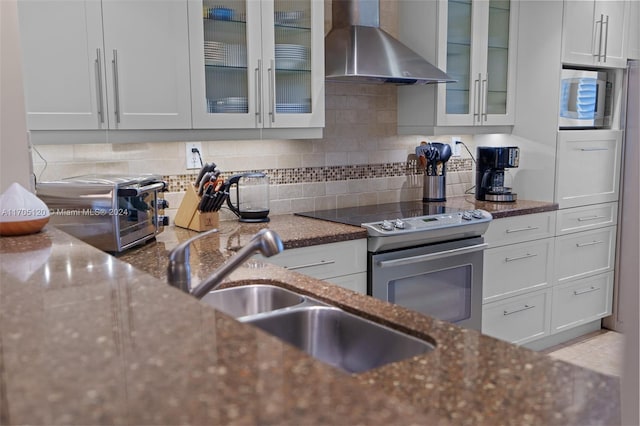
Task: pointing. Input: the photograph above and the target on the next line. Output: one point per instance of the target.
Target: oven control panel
(400, 226)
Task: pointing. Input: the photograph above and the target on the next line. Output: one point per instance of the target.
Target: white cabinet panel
(587, 217)
(517, 229)
(588, 167)
(518, 319)
(582, 301)
(516, 269)
(585, 253)
(595, 32)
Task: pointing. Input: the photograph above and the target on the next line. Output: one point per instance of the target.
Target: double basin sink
(329, 334)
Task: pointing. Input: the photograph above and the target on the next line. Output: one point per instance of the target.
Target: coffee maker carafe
(490, 176)
(433, 157)
(250, 200)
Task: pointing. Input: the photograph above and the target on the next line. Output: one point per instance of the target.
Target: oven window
(444, 294)
(135, 213)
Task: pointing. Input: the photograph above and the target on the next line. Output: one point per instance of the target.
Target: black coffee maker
(490, 165)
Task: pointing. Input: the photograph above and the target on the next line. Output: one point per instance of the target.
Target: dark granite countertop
(87, 338)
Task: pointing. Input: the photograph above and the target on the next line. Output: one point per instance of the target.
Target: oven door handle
(431, 256)
(134, 192)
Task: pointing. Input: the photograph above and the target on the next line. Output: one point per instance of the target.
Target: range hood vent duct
(357, 50)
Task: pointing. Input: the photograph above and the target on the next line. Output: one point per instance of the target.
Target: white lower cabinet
(581, 301)
(518, 319)
(585, 253)
(343, 263)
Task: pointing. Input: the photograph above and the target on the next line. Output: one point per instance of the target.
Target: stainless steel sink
(339, 338)
(251, 299)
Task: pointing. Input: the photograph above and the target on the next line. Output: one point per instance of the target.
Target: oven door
(137, 217)
(441, 280)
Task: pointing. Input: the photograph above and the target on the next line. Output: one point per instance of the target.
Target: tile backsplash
(359, 160)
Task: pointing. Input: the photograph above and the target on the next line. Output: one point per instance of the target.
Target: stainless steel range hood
(357, 50)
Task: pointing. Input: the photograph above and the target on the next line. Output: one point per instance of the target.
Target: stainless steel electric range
(423, 256)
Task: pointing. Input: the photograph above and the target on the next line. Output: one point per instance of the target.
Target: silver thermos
(433, 157)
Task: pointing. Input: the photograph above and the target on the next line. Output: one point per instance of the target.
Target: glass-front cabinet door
(477, 48)
(257, 64)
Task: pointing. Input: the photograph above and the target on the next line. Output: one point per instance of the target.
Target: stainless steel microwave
(585, 99)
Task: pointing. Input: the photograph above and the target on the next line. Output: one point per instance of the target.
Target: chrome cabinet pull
(593, 149)
(606, 38)
(272, 95)
(591, 243)
(526, 256)
(584, 219)
(476, 94)
(528, 228)
(116, 84)
(525, 308)
(588, 290)
(431, 256)
(599, 54)
(99, 85)
(308, 265)
(259, 91)
(484, 88)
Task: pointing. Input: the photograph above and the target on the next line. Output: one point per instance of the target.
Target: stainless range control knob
(386, 225)
(399, 224)
(467, 216)
(477, 214)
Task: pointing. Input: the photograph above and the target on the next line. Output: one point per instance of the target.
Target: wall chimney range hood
(357, 50)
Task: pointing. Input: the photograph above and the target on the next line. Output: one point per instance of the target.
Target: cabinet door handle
(476, 94)
(259, 91)
(528, 228)
(586, 290)
(272, 88)
(484, 88)
(525, 308)
(606, 38)
(308, 265)
(116, 86)
(584, 219)
(99, 85)
(526, 256)
(591, 243)
(593, 149)
(599, 23)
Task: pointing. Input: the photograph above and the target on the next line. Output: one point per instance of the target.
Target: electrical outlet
(193, 153)
(456, 148)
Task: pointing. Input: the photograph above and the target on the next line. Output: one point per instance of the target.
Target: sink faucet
(266, 242)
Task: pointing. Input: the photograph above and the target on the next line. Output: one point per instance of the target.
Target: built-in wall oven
(423, 256)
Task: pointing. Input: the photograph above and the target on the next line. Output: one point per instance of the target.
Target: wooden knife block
(190, 217)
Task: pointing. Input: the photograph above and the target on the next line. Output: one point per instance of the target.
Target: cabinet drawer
(587, 217)
(517, 229)
(518, 319)
(517, 268)
(325, 260)
(588, 167)
(582, 301)
(585, 253)
(356, 282)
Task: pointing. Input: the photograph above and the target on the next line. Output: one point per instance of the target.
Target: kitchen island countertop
(93, 339)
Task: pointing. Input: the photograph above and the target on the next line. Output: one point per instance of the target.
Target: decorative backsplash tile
(178, 183)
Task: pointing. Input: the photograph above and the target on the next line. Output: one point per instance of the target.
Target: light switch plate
(193, 153)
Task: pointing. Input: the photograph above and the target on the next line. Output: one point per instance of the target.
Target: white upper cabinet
(633, 49)
(595, 32)
(476, 45)
(257, 64)
(109, 64)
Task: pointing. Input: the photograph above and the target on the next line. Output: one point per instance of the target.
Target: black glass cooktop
(379, 212)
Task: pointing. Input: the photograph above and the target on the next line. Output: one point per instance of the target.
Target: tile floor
(600, 351)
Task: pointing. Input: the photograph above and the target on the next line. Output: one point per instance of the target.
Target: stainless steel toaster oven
(110, 212)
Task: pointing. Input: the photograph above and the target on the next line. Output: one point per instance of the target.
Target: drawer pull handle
(593, 149)
(592, 243)
(588, 290)
(309, 265)
(525, 308)
(528, 228)
(526, 256)
(584, 219)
